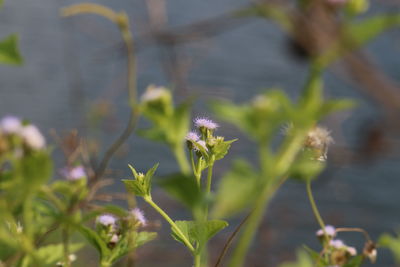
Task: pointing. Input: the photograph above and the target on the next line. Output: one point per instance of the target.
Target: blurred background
(74, 77)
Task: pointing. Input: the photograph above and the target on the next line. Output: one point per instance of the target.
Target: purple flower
(106, 220)
(336, 243)
(139, 216)
(10, 125)
(329, 229)
(74, 173)
(33, 137)
(192, 136)
(205, 123)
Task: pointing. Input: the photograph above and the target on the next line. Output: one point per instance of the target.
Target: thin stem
(354, 229)
(208, 186)
(314, 207)
(65, 239)
(171, 222)
(230, 239)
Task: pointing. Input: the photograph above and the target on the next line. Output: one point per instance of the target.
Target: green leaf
(135, 187)
(149, 175)
(221, 148)
(355, 261)
(392, 243)
(237, 190)
(184, 227)
(144, 237)
(183, 188)
(336, 105)
(197, 231)
(95, 240)
(50, 254)
(141, 186)
(9, 53)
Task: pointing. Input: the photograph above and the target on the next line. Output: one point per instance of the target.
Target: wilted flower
(139, 216)
(370, 251)
(154, 93)
(192, 136)
(318, 139)
(329, 230)
(10, 125)
(32, 137)
(106, 220)
(205, 123)
(74, 173)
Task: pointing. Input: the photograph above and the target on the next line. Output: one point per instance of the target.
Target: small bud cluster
(19, 137)
(112, 229)
(337, 251)
(204, 140)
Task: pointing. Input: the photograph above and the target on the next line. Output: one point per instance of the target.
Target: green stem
(314, 206)
(171, 222)
(208, 186)
(65, 239)
(197, 260)
(180, 156)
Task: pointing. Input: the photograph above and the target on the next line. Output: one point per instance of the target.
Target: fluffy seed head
(139, 216)
(205, 123)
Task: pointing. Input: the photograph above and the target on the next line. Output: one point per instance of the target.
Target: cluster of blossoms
(15, 135)
(110, 225)
(340, 253)
(205, 139)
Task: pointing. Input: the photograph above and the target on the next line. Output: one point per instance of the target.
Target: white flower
(329, 230)
(10, 125)
(33, 137)
(153, 93)
(202, 144)
(106, 220)
(206, 123)
(139, 216)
